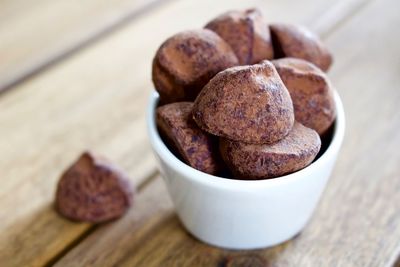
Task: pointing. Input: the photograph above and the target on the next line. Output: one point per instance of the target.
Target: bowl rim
(189, 172)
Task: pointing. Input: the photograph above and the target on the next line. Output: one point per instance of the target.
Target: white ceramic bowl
(244, 214)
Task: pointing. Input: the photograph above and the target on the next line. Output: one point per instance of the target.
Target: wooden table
(76, 75)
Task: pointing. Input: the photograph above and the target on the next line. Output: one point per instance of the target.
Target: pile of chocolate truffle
(242, 98)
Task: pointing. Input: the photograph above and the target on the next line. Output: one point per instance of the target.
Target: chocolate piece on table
(93, 190)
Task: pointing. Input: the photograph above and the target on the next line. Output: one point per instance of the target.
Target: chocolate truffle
(296, 41)
(251, 161)
(246, 103)
(187, 61)
(197, 148)
(247, 34)
(93, 190)
(311, 93)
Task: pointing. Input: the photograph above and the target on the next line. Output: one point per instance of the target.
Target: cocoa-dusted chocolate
(311, 93)
(246, 32)
(93, 190)
(296, 41)
(187, 61)
(252, 161)
(246, 103)
(196, 148)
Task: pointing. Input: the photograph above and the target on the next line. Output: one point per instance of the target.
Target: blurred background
(34, 36)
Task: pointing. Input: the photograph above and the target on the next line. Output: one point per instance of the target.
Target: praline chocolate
(311, 93)
(296, 41)
(247, 34)
(187, 61)
(93, 190)
(246, 103)
(195, 147)
(253, 161)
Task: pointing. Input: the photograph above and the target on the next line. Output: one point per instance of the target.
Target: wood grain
(36, 34)
(93, 99)
(152, 209)
(96, 99)
(357, 222)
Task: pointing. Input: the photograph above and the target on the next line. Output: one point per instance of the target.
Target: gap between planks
(333, 19)
(86, 41)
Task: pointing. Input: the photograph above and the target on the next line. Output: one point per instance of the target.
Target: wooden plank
(74, 103)
(94, 99)
(357, 222)
(35, 34)
(152, 209)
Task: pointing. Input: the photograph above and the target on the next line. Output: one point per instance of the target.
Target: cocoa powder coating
(252, 108)
(197, 148)
(187, 61)
(252, 161)
(298, 42)
(246, 103)
(311, 93)
(247, 34)
(93, 190)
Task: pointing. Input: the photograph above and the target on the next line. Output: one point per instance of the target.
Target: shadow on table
(179, 248)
